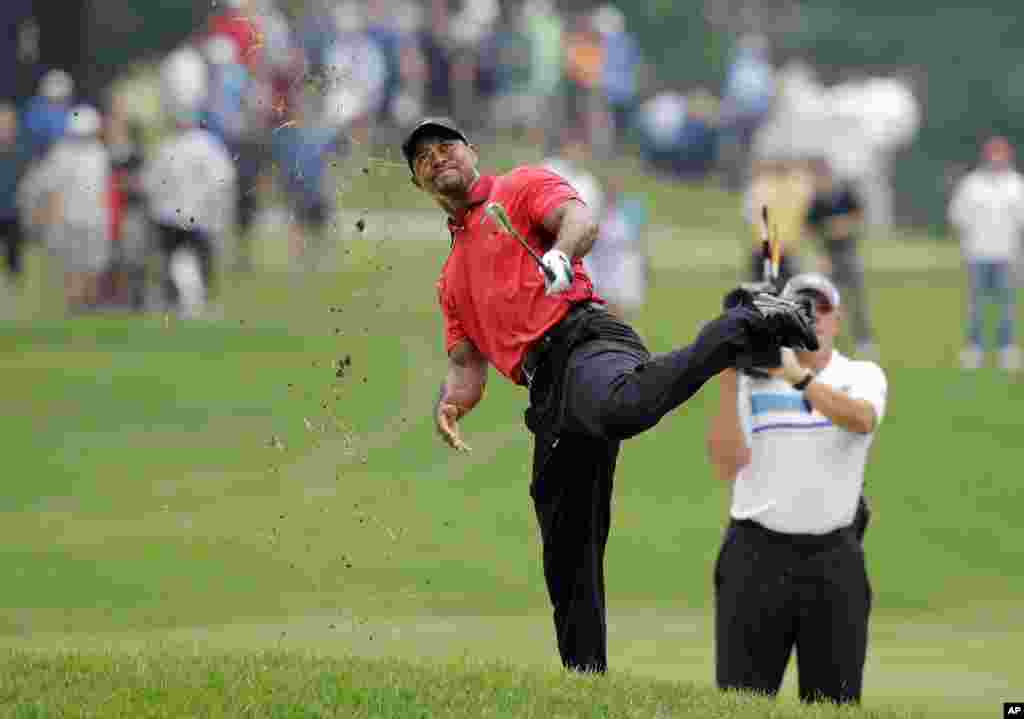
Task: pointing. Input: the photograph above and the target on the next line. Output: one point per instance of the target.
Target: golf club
(497, 212)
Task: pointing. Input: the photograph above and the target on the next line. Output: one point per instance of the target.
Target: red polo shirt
(490, 289)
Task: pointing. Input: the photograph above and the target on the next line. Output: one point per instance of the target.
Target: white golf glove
(559, 264)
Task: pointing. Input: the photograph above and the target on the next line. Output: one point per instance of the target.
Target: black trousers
(13, 241)
(774, 592)
(613, 390)
(172, 238)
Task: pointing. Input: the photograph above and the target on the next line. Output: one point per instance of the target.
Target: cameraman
(794, 441)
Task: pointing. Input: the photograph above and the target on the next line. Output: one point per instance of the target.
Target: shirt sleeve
(541, 192)
(454, 332)
(743, 406)
(871, 386)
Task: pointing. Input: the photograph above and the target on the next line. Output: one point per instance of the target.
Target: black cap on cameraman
(430, 126)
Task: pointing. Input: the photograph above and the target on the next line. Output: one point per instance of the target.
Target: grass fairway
(218, 486)
(293, 685)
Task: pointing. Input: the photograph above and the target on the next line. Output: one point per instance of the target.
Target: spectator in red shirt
(242, 28)
(591, 380)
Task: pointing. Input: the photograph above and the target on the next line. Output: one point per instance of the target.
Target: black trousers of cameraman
(774, 592)
(593, 385)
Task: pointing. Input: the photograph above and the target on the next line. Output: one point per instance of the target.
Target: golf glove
(561, 269)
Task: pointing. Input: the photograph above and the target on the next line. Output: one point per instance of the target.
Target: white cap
(83, 121)
(56, 85)
(812, 282)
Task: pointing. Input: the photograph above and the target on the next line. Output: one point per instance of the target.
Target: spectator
(467, 32)
(227, 115)
(190, 186)
(130, 227)
(183, 81)
(584, 64)
(618, 261)
(234, 22)
(836, 215)
(13, 164)
(72, 185)
(413, 70)
(512, 105)
(621, 61)
(746, 102)
(870, 118)
(357, 74)
(46, 114)
(545, 31)
(301, 155)
(661, 121)
(571, 165)
(987, 211)
(698, 140)
(382, 29)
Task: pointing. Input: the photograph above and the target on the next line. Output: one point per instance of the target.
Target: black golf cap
(431, 126)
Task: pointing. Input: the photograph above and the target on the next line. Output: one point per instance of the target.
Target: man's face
(444, 166)
(827, 320)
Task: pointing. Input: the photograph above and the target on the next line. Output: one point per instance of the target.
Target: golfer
(592, 382)
(791, 569)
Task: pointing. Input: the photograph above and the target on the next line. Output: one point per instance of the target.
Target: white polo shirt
(806, 474)
(988, 210)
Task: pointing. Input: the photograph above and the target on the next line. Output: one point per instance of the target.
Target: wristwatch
(802, 384)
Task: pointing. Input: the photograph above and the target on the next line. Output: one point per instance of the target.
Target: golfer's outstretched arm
(574, 226)
(461, 391)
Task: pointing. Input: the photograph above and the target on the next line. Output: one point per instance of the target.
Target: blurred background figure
(302, 152)
(870, 119)
(124, 285)
(228, 115)
(467, 32)
(987, 211)
(786, 188)
(509, 72)
(13, 165)
(660, 124)
(46, 114)
(190, 187)
(747, 99)
(183, 80)
(584, 67)
(356, 74)
(545, 31)
(236, 21)
(836, 216)
(69, 196)
(571, 163)
(620, 73)
(679, 133)
(618, 262)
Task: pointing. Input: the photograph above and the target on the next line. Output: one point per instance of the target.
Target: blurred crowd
(258, 103)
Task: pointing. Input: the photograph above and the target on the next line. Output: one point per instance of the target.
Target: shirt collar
(478, 194)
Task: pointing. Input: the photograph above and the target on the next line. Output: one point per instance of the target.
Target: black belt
(836, 536)
(539, 350)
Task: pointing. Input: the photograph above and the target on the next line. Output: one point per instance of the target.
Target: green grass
(297, 685)
(216, 485)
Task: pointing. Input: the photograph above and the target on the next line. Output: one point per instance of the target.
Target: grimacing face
(443, 166)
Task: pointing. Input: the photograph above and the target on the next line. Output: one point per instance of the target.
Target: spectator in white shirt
(987, 211)
(190, 183)
(69, 193)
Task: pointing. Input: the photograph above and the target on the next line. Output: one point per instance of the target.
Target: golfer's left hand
(790, 370)
(559, 264)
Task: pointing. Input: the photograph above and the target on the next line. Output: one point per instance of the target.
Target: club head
(497, 212)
